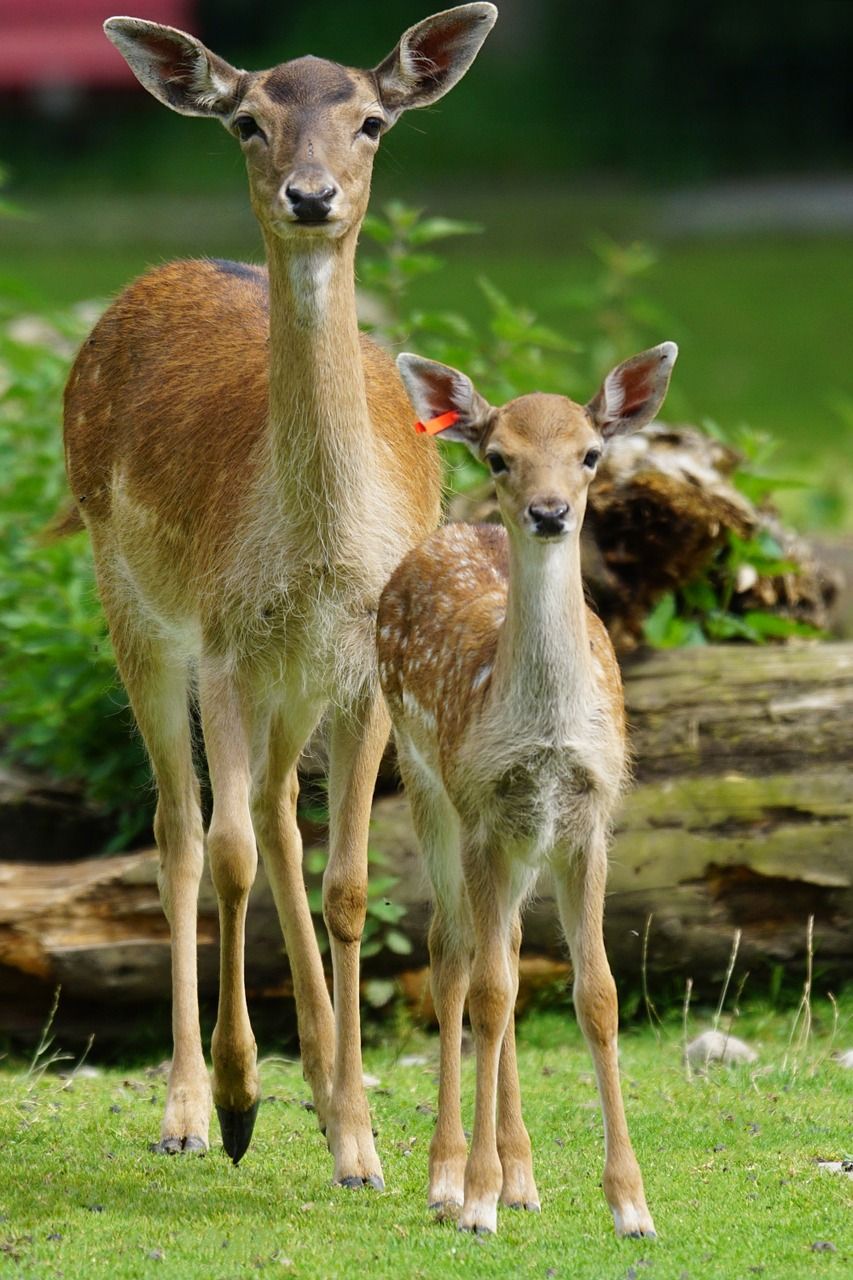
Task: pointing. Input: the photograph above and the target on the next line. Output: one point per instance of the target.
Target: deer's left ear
(633, 392)
(432, 56)
(436, 389)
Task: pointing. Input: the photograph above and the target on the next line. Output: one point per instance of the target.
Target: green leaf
(440, 229)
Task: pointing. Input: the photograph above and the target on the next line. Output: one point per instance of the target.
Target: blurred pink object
(60, 43)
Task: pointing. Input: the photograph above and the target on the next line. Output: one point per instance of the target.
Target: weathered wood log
(741, 816)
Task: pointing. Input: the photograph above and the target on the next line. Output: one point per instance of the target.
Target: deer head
(543, 450)
(309, 128)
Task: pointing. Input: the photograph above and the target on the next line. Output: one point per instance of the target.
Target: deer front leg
(519, 1189)
(233, 862)
(274, 815)
(490, 1008)
(580, 896)
(358, 739)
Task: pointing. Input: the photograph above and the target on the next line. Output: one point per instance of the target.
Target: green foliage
(62, 709)
(702, 612)
(383, 913)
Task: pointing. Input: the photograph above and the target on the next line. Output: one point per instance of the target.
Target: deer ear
(633, 392)
(176, 68)
(435, 389)
(432, 56)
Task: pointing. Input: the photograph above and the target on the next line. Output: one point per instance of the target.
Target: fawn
(507, 706)
(244, 463)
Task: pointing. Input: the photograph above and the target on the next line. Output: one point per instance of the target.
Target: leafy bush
(62, 709)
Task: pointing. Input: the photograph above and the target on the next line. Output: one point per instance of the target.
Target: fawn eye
(496, 463)
(246, 127)
(372, 127)
(591, 458)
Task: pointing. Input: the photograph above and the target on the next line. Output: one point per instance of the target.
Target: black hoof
(179, 1146)
(237, 1128)
(355, 1184)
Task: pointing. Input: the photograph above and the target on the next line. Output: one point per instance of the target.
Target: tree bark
(741, 817)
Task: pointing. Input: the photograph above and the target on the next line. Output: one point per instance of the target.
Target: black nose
(548, 516)
(311, 206)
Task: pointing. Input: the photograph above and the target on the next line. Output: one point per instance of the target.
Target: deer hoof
(237, 1128)
(192, 1145)
(355, 1183)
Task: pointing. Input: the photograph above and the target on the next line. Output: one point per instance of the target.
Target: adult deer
(507, 707)
(243, 460)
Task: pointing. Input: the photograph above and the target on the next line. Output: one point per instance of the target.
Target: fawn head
(543, 450)
(309, 128)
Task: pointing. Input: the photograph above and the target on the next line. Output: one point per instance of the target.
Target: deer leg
(357, 741)
(233, 862)
(157, 685)
(449, 958)
(437, 826)
(519, 1189)
(580, 896)
(489, 1008)
(274, 812)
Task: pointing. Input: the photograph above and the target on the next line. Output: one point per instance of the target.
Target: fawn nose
(310, 206)
(548, 516)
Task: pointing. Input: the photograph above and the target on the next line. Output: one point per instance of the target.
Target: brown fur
(246, 466)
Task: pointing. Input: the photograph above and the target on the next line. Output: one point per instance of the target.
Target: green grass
(729, 1162)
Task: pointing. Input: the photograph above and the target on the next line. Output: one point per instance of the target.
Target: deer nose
(548, 516)
(311, 206)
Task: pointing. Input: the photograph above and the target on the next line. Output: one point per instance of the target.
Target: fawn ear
(176, 68)
(432, 56)
(435, 389)
(632, 393)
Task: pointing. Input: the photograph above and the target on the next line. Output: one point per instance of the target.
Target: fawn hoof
(355, 1183)
(530, 1206)
(237, 1128)
(174, 1146)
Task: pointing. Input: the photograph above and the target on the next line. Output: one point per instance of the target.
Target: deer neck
(543, 665)
(323, 464)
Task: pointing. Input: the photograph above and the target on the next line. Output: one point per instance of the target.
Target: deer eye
(591, 458)
(496, 463)
(247, 127)
(372, 127)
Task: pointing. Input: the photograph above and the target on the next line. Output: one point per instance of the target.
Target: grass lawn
(730, 1164)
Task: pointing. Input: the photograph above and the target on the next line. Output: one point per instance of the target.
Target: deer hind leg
(489, 1007)
(274, 811)
(357, 741)
(519, 1189)
(157, 684)
(233, 862)
(437, 827)
(580, 896)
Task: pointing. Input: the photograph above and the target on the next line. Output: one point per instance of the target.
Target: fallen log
(741, 817)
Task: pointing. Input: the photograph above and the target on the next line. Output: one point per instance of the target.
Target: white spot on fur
(482, 676)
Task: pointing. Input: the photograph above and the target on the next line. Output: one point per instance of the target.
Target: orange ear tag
(434, 425)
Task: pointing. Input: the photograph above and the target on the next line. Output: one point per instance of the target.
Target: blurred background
(716, 135)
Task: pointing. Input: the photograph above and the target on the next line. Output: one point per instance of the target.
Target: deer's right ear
(435, 389)
(176, 68)
(432, 56)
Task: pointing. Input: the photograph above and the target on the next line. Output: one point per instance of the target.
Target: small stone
(155, 1255)
(414, 1060)
(824, 1246)
(713, 1046)
(844, 1058)
(369, 1081)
